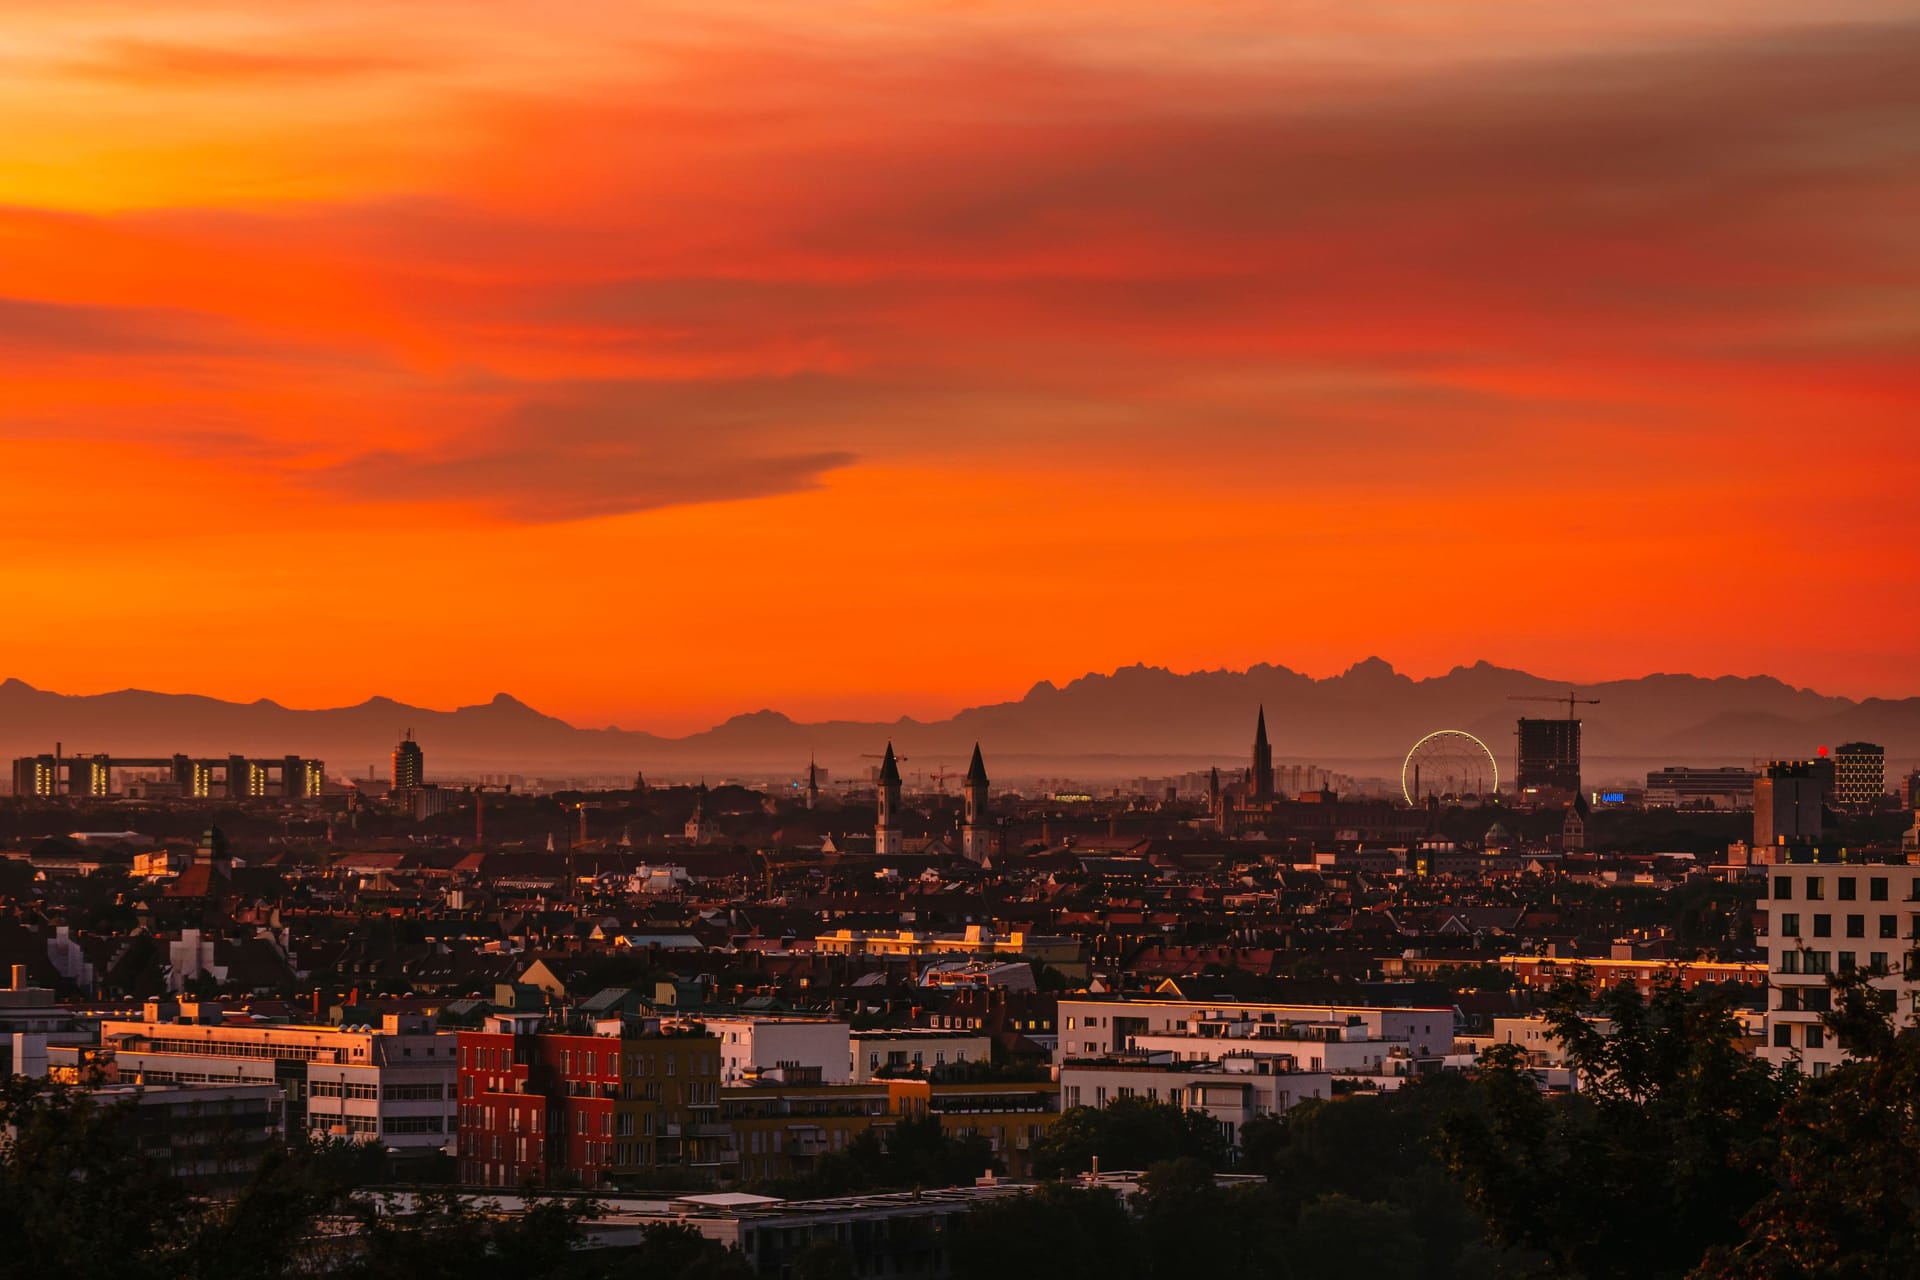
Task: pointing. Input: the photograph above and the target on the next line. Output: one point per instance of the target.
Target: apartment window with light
(1816, 888)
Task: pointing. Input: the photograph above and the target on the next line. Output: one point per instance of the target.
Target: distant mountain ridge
(1133, 720)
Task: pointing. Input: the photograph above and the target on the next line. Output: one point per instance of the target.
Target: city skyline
(1367, 723)
(959, 639)
(885, 361)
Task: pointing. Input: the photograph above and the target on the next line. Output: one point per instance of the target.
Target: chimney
(19, 977)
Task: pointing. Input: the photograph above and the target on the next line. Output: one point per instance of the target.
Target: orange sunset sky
(660, 361)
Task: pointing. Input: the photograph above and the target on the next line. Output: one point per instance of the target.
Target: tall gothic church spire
(976, 838)
(1260, 777)
(888, 839)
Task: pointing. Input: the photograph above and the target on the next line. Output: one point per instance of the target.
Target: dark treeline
(1682, 1156)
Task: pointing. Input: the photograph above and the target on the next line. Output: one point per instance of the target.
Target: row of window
(1805, 1000)
(486, 1058)
(377, 1125)
(1811, 1035)
(414, 1124)
(343, 1089)
(1846, 888)
(150, 1076)
(418, 1092)
(898, 1058)
(592, 1062)
(608, 1125)
(1856, 925)
(210, 1048)
(1822, 962)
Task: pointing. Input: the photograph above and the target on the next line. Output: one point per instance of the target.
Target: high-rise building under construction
(1549, 758)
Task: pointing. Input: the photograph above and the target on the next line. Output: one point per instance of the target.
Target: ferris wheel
(1452, 764)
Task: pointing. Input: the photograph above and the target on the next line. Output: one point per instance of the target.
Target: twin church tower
(976, 835)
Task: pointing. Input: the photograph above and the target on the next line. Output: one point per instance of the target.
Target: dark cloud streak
(589, 450)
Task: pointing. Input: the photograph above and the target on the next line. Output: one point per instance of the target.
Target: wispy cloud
(163, 65)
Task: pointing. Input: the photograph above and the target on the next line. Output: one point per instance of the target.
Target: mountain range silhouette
(1135, 720)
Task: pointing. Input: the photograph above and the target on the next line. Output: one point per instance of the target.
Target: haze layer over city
(927, 641)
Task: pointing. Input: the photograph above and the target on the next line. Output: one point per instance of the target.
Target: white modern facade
(1232, 1091)
(1096, 1028)
(755, 1047)
(1307, 1044)
(391, 1084)
(1825, 918)
(914, 1051)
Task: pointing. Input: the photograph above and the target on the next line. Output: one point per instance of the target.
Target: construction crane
(1572, 700)
(940, 777)
(897, 757)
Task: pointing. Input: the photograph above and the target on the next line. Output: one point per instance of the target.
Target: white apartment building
(1825, 918)
(1232, 1091)
(1235, 1061)
(1097, 1028)
(1306, 1044)
(752, 1047)
(393, 1084)
(914, 1050)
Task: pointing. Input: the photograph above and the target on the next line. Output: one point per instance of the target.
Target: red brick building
(576, 1109)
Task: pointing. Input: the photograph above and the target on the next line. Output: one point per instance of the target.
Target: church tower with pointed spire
(887, 836)
(813, 783)
(699, 830)
(976, 837)
(1260, 777)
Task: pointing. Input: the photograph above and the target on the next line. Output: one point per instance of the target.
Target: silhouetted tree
(1655, 1161)
(1058, 1230)
(1340, 1236)
(1844, 1203)
(1129, 1133)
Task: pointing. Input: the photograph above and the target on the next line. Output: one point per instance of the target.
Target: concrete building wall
(754, 1045)
(1092, 1028)
(878, 1052)
(1823, 918)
